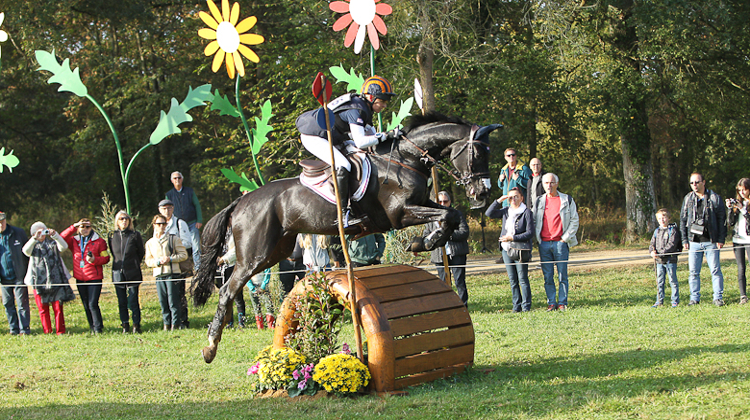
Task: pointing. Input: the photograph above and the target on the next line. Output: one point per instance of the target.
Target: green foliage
(7, 160)
(169, 122)
(245, 183)
(70, 81)
(319, 314)
(262, 128)
(221, 103)
(353, 80)
(403, 112)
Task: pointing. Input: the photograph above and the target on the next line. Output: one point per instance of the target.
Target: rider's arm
(362, 140)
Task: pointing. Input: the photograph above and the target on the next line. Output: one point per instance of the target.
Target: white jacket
(568, 214)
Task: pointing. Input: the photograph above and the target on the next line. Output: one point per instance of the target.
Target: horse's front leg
(221, 318)
(416, 215)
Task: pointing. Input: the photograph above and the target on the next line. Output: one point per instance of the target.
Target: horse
(265, 222)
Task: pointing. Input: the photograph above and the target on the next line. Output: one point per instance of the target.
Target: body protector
(350, 118)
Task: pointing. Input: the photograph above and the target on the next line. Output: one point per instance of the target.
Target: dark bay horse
(266, 221)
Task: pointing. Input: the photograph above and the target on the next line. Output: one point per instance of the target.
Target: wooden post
(344, 247)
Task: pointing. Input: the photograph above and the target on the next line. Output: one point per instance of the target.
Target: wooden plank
(417, 344)
(420, 305)
(434, 360)
(406, 291)
(397, 279)
(426, 322)
(421, 378)
(383, 270)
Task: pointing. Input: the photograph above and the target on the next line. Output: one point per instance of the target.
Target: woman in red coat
(89, 256)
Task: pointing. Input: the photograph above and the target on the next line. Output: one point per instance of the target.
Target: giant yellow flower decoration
(228, 39)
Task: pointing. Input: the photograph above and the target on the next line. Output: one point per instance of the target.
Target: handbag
(118, 276)
(186, 267)
(520, 251)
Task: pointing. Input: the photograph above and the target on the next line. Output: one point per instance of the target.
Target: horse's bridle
(431, 161)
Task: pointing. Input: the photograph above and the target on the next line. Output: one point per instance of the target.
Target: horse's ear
(483, 131)
(446, 152)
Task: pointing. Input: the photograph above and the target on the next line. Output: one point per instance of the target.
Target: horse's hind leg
(221, 319)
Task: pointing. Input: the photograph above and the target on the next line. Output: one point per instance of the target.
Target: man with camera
(703, 229)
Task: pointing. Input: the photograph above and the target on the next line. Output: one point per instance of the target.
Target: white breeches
(319, 147)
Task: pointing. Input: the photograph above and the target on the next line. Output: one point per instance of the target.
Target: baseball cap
(166, 202)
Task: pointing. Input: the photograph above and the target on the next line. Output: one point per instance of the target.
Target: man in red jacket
(89, 256)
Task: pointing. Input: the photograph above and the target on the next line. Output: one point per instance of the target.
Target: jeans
(195, 238)
(170, 301)
(695, 261)
(16, 302)
(519, 283)
(558, 252)
(661, 271)
(458, 274)
(90, 298)
(740, 250)
(127, 298)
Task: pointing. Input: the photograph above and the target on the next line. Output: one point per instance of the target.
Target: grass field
(609, 357)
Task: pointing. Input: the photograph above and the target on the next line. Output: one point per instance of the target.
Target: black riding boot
(342, 178)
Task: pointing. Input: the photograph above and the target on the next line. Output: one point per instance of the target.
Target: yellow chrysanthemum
(228, 39)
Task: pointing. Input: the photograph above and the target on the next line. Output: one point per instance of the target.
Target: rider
(350, 117)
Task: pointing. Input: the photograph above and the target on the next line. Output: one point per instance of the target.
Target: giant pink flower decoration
(362, 15)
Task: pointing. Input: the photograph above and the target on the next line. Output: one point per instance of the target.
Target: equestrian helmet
(378, 87)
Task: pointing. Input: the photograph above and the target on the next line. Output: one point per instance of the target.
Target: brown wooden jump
(416, 327)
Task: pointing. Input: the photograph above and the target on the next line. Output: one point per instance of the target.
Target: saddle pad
(319, 184)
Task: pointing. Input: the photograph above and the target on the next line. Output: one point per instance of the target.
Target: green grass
(609, 357)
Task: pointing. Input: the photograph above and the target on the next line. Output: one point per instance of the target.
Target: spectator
(666, 243)
(224, 272)
(513, 174)
(163, 253)
(367, 250)
(456, 249)
(518, 229)
(556, 223)
(187, 208)
(13, 265)
(89, 256)
(534, 188)
(47, 275)
(258, 286)
(128, 251)
(291, 269)
(703, 230)
(179, 228)
(739, 217)
(315, 252)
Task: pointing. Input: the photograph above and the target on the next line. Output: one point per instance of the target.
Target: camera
(45, 232)
(90, 254)
(733, 202)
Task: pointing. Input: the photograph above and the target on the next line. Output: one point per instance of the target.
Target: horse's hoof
(208, 354)
(416, 245)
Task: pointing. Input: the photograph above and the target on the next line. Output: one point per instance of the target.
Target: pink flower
(345, 349)
(253, 369)
(301, 384)
(295, 375)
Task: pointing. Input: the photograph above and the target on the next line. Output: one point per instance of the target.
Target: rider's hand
(394, 134)
(381, 137)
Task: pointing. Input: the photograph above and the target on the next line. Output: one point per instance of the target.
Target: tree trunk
(640, 200)
(426, 59)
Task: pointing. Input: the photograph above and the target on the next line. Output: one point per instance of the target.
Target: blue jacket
(16, 240)
(524, 225)
(524, 173)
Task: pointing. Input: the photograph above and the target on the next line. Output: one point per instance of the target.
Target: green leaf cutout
(403, 112)
(354, 81)
(69, 81)
(169, 122)
(7, 160)
(245, 184)
(222, 104)
(262, 128)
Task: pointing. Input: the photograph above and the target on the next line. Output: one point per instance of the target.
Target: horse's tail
(212, 242)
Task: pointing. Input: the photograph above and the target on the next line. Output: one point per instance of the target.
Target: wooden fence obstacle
(417, 328)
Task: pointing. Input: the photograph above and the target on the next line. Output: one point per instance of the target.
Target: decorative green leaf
(245, 184)
(222, 104)
(169, 122)
(353, 80)
(403, 112)
(7, 160)
(69, 81)
(262, 128)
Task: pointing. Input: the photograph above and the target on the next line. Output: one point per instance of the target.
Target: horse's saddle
(316, 176)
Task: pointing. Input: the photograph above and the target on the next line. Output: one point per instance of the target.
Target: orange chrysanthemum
(228, 39)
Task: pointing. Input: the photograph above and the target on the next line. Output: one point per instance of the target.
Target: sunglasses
(124, 218)
(86, 227)
(510, 154)
(160, 223)
(695, 182)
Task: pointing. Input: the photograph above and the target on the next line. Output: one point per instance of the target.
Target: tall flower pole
(8, 160)
(229, 41)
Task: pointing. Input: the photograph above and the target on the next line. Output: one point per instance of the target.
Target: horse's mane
(416, 121)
